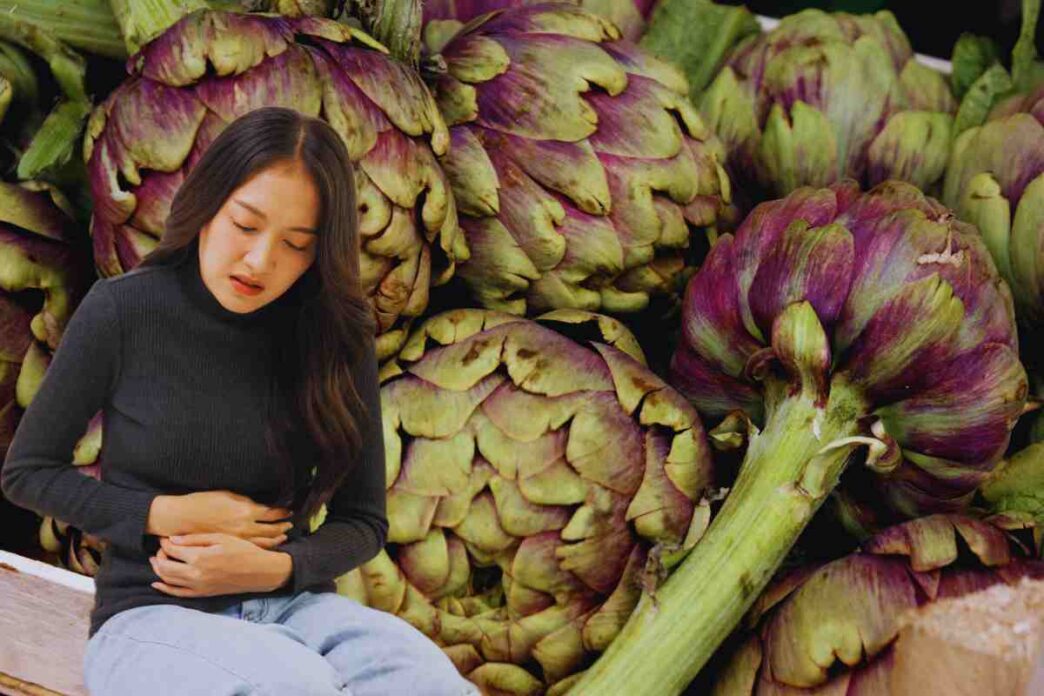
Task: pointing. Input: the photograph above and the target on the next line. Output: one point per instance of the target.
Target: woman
(236, 372)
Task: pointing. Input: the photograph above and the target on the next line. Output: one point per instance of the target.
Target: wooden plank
(988, 643)
(44, 618)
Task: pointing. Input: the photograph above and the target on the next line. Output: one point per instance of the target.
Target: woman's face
(264, 235)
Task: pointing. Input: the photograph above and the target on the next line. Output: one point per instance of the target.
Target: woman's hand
(219, 512)
(205, 565)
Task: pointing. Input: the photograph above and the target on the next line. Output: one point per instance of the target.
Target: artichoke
(828, 96)
(833, 320)
(534, 483)
(628, 15)
(831, 629)
(577, 162)
(211, 67)
(45, 271)
(996, 181)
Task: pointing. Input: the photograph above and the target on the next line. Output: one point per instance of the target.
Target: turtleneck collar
(201, 297)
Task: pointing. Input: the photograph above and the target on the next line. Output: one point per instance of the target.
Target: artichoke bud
(532, 465)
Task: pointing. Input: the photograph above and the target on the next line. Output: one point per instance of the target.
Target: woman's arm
(38, 473)
(356, 525)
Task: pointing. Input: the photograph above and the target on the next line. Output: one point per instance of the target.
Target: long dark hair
(317, 410)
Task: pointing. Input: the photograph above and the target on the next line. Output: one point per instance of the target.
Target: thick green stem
(67, 66)
(696, 35)
(142, 20)
(88, 25)
(789, 470)
(395, 23)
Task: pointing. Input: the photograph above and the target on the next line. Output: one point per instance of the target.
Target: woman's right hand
(219, 512)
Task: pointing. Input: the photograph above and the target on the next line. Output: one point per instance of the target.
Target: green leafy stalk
(395, 23)
(56, 142)
(141, 21)
(1024, 70)
(88, 25)
(67, 66)
(789, 469)
(696, 35)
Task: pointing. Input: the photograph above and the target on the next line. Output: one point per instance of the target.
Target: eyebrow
(309, 230)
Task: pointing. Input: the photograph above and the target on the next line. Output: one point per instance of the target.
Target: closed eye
(243, 227)
(296, 248)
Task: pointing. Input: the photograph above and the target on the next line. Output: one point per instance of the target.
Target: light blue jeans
(309, 644)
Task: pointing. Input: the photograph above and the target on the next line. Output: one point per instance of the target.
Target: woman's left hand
(206, 565)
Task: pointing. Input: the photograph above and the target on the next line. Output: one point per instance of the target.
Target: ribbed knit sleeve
(356, 525)
(38, 472)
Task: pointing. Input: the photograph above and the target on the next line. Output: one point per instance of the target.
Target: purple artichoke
(831, 629)
(826, 96)
(577, 162)
(532, 480)
(833, 320)
(628, 15)
(211, 67)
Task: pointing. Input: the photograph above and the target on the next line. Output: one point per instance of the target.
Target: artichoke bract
(1014, 493)
(577, 162)
(834, 320)
(533, 479)
(831, 629)
(210, 68)
(826, 96)
(996, 181)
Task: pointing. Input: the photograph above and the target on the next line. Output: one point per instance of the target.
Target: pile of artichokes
(737, 343)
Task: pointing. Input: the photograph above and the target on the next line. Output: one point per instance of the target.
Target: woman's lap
(308, 643)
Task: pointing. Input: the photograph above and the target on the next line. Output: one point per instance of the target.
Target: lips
(248, 281)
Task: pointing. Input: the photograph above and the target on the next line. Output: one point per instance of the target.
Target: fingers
(268, 542)
(272, 529)
(171, 572)
(275, 514)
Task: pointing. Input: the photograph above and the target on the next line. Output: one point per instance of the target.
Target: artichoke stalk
(152, 129)
(587, 192)
(831, 628)
(87, 25)
(535, 482)
(834, 320)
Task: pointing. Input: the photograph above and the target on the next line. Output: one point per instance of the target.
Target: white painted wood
(44, 620)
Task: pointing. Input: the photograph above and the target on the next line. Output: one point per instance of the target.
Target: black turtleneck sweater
(182, 383)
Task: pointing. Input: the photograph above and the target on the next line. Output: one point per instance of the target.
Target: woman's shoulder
(142, 288)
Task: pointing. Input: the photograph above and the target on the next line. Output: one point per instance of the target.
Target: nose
(260, 256)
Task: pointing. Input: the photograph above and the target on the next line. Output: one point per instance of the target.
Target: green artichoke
(211, 67)
(827, 96)
(534, 483)
(996, 181)
(830, 629)
(833, 320)
(577, 162)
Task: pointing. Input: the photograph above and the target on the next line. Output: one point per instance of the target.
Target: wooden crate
(44, 618)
